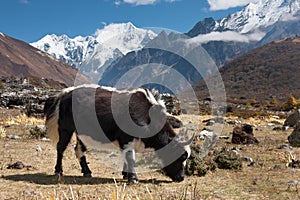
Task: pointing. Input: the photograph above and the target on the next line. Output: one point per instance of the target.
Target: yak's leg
(64, 139)
(125, 171)
(79, 150)
(129, 164)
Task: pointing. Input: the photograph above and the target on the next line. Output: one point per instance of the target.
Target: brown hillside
(19, 59)
(270, 71)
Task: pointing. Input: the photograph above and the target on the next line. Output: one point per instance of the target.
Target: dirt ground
(268, 178)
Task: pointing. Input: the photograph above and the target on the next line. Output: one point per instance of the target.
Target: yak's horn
(189, 141)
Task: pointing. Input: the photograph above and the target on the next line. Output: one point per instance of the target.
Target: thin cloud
(117, 3)
(226, 36)
(287, 18)
(24, 1)
(226, 4)
(140, 2)
(143, 2)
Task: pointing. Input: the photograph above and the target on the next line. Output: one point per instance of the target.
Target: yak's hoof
(132, 177)
(133, 180)
(60, 177)
(59, 173)
(88, 175)
(125, 175)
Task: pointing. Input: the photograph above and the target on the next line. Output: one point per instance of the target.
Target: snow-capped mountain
(91, 53)
(256, 24)
(224, 40)
(262, 13)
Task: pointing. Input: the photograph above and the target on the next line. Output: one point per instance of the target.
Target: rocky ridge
(27, 94)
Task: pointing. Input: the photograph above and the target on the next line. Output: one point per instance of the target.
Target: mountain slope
(272, 70)
(160, 61)
(18, 59)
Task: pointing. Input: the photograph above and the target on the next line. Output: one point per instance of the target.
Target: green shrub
(37, 132)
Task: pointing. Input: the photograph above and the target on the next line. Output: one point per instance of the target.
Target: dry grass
(15, 122)
(268, 179)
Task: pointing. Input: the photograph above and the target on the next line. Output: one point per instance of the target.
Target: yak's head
(175, 155)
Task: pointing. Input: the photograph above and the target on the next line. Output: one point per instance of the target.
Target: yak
(127, 118)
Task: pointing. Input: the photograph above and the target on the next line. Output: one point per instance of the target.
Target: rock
(29, 96)
(247, 159)
(292, 183)
(204, 134)
(294, 164)
(16, 165)
(38, 148)
(280, 128)
(14, 137)
(233, 122)
(171, 102)
(283, 146)
(294, 137)
(45, 139)
(20, 165)
(292, 119)
(271, 124)
(34, 110)
(112, 155)
(210, 123)
(224, 137)
(243, 134)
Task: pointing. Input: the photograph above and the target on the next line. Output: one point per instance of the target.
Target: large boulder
(292, 119)
(243, 134)
(294, 137)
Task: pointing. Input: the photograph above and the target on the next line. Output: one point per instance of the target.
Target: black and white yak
(104, 114)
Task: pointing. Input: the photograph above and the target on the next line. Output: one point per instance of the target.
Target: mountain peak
(261, 13)
(257, 14)
(93, 52)
(114, 28)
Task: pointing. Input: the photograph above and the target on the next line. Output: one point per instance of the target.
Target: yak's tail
(51, 111)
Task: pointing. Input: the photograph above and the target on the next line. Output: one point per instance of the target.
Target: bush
(37, 132)
(196, 166)
(290, 104)
(1, 84)
(227, 159)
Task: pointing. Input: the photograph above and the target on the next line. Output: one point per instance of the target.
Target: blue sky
(30, 20)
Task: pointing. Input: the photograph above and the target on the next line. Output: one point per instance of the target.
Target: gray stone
(294, 137)
(292, 119)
